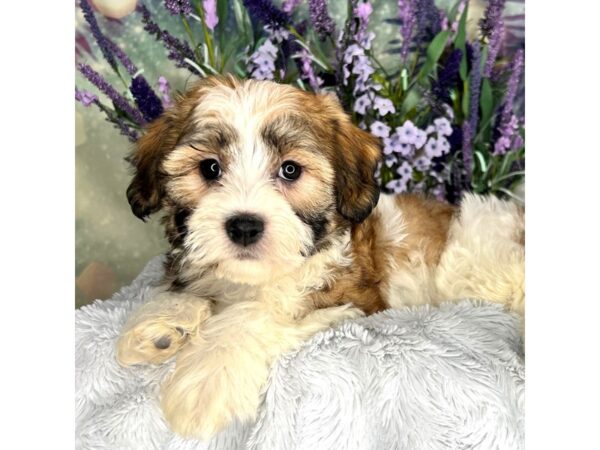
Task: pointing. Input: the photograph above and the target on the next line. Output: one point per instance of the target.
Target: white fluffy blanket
(424, 378)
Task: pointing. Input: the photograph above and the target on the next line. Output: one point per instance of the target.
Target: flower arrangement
(448, 112)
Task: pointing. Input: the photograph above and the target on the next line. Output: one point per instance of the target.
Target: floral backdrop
(440, 83)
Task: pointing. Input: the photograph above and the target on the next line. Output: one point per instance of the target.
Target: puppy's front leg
(220, 374)
(159, 328)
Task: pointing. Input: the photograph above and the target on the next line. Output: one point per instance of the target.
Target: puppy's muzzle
(244, 229)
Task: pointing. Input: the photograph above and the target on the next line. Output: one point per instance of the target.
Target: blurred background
(112, 245)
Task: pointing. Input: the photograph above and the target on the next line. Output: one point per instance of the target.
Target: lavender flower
(407, 16)
(363, 11)
(289, 6)
(124, 129)
(428, 20)
(165, 89)
(442, 126)
(491, 17)
(380, 129)
(122, 57)
(308, 72)
(262, 62)
(103, 43)
(509, 125)
(470, 126)
(390, 160)
(320, 17)
(509, 137)
(434, 148)
(86, 98)
(383, 105)
(264, 11)
(448, 77)
(405, 171)
(494, 45)
(118, 100)
(422, 163)
(176, 7)
(467, 149)
(420, 138)
(513, 84)
(459, 13)
(407, 133)
(145, 98)
(362, 103)
(397, 186)
(178, 50)
(210, 13)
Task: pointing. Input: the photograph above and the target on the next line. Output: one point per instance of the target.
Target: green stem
(188, 30)
(319, 55)
(207, 37)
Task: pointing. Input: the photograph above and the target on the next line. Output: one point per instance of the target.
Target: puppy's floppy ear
(146, 191)
(355, 160)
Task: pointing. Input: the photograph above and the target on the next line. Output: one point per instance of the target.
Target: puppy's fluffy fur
(331, 249)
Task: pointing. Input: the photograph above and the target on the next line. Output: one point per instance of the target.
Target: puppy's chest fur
(404, 236)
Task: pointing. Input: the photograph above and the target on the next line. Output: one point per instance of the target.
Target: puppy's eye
(289, 171)
(210, 169)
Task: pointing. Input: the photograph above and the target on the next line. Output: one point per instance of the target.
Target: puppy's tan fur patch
(331, 248)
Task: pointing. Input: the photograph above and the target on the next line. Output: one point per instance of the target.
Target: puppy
(277, 232)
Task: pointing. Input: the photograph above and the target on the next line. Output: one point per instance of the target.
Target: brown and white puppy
(277, 232)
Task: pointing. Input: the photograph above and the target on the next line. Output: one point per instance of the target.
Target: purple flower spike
(178, 50)
(122, 57)
(103, 43)
(492, 17)
(513, 85)
(509, 125)
(448, 77)
(210, 13)
(470, 129)
(86, 98)
(124, 129)
(428, 20)
(264, 11)
(494, 46)
(119, 101)
(145, 98)
(176, 7)
(320, 17)
(407, 15)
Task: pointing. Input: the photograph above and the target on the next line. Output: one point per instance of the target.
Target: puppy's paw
(159, 329)
(329, 317)
(208, 390)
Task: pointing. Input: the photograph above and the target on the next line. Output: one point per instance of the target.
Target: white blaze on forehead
(246, 109)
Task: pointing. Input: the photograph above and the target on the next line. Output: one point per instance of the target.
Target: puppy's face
(254, 177)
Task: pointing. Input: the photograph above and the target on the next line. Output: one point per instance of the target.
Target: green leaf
(222, 13)
(410, 101)
(466, 99)
(434, 51)
(481, 159)
(461, 42)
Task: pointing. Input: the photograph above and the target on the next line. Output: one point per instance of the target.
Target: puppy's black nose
(244, 229)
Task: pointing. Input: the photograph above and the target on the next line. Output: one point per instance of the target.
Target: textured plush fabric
(425, 378)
